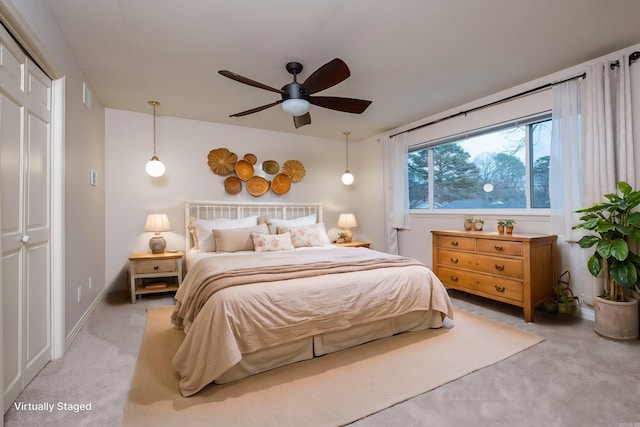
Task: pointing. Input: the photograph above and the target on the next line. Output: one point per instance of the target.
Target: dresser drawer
(506, 267)
(499, 247)
(454, 242)
(156, 266)
(481, 284)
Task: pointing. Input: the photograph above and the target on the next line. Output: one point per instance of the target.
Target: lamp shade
(295, 107)
(155, 167)
(157, 223)
(347, 220)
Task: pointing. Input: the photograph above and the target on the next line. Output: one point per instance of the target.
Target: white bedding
(246, 318)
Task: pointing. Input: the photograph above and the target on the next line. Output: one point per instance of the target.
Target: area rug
(331, 390)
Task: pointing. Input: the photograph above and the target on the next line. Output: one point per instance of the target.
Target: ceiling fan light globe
(295, 107)
(347, 178)
(155, 167)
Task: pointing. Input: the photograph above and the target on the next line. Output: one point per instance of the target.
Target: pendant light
(347, 177)
(154, 167)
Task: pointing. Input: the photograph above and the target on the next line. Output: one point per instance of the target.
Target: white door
(25, 176)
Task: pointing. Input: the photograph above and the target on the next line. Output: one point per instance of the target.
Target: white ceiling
(412, 58)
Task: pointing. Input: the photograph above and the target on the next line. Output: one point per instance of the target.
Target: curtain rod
(632, 58)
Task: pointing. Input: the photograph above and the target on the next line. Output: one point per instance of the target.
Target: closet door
(25, 164)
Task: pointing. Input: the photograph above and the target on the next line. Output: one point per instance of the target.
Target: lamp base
(157, 244)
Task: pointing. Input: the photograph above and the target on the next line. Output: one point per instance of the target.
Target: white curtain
(607, 152)
(395, 189)
(607, 140)
(565, 194)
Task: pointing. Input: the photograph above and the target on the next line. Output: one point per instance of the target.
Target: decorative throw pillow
(295, 222)
(204, 230)
(271, 242)
(307, 235)
(237, 239)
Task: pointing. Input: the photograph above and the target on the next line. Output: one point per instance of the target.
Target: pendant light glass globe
(347, 178)
(155, 167)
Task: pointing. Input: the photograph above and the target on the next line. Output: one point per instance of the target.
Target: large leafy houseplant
(615, 227)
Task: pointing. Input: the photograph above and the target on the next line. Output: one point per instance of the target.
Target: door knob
(25, 238)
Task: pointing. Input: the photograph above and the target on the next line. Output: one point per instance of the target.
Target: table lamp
(157, 223)
(347, 221)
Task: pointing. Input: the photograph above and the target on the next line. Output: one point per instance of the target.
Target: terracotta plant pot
(616, 320)
(509, 230)
(501, 229)
(468, 226)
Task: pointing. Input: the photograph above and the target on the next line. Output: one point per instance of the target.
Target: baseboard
(587, 313)
(83, 320)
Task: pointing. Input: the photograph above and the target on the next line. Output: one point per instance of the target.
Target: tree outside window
(487, 170)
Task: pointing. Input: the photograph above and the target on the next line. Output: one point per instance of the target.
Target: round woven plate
(270, 166)
(295, 169)
(244, 170)
(232, 185)
(257, 186)
(221, 161)
(281, 184)
(251, 158)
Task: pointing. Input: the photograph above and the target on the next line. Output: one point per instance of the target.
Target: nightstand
(354, 244)
(153, 273)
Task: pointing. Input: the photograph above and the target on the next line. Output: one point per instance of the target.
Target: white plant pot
(616, 320)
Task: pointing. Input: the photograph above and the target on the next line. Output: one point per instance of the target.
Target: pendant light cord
(154, 104)
(346, 145)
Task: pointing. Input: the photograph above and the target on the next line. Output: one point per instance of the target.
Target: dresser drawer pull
(454, 260)
(498, 247)
(499, 288)
(454, 279)
(155, 267)
(499, 267)
(454, 243)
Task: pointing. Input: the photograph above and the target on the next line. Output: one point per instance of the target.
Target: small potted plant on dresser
(500, 226)
(614, 224)
(477, 224)
(468, 223)
(508, 225)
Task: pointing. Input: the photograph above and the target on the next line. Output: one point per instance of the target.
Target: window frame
(528, 210)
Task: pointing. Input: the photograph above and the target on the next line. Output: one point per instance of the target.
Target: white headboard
(204, 209)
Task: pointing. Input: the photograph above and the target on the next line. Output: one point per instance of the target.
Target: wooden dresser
(518, 269)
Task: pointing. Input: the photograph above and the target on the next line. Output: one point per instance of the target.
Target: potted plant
(500, 226)
(508, 225)
(614, 224)
(468, 223)
(342, 237)
(477, 224)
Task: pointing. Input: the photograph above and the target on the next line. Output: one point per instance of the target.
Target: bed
(267, 289)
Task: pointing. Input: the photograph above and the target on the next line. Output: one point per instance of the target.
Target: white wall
(183, 146)
(416, 242)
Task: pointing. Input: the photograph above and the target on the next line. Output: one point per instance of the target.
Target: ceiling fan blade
(247, 81)
(330, 74)
(347, 105)
(255, 110)
(303, 120)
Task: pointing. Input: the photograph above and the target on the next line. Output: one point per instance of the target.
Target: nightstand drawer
(156, 266)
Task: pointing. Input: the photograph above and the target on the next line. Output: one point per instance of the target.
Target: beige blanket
(228, 309)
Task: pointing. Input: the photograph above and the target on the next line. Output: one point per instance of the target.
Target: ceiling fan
(297, 97)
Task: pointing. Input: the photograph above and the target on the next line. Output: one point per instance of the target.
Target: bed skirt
(318, 345)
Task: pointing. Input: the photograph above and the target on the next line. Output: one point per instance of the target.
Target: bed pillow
(204, 230)
(237, 239)
(271, 242)
(307, 235)
(295, 222)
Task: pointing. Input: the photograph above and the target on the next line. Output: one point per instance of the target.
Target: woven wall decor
(222, 161)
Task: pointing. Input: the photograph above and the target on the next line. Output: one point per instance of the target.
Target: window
(505, 167)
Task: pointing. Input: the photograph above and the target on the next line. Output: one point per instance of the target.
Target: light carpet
(331, 390)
